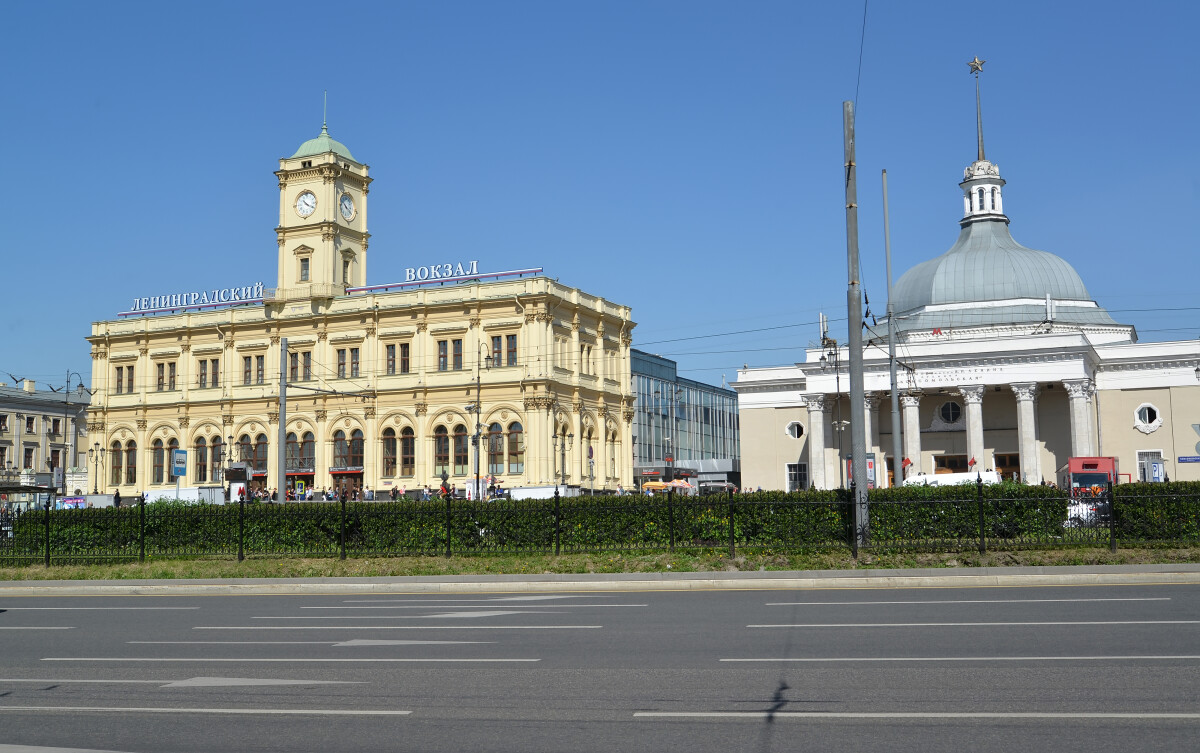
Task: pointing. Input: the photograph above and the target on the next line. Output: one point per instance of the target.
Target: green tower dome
(322, 144)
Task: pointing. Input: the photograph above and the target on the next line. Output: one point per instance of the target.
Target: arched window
(980, 207)
(356, 448)
(341, 450)
(292, 452)
(495, 448)
(172, 446)
(245, 449)
(218, 457)
(994, 199)
(441, 451)
(389, 452)
(460, 450)
(131, 462)
(201, 460)
(516, 448)
(408, 452)
(114, 460)
(612, 454)
(260, 452)
(308, 451)
(158, 461)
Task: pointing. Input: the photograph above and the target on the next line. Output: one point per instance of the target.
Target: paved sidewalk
(527, 583)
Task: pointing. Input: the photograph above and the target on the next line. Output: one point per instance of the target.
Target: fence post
(850, 503)
(142, 528)
(671, 517)
(731, 503)
(979, 497)
(342, 532)
(47, 513)
(1112, 519)
(557, 522)
(447, 524)
(241, 527)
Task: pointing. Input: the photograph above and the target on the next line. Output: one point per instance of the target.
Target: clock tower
(322, 231)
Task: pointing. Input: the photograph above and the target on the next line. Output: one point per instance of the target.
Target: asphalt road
(1088, 668)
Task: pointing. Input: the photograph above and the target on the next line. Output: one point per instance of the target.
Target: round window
(1147, 414)
(795, 430)
(951, 412)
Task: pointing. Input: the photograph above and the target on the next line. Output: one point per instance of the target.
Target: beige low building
(382, 380)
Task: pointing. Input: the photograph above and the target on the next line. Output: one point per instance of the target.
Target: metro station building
(388, 386)
(1005, 363)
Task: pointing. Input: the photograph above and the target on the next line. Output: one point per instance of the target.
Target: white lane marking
(832, 659)
(106, 682)
(284, 661)
(240, 711)
(979, 624)
(496, 613)
(948, 601)
(355, 642)
(482, 606)
(397, 627)
(462, 601)
(231, 682)
(818, 715)
(76, 609)
(9, 627)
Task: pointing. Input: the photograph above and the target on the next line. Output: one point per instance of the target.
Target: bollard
(979, 498)
(557, 523)
(342, 532)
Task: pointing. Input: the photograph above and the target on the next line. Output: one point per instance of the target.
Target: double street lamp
(562, 443)
(477, 409)
(96, 455)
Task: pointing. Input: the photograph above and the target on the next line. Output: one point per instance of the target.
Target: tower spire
(976, 67)
(325, 113)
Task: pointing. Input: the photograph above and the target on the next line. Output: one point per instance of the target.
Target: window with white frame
(797, 477)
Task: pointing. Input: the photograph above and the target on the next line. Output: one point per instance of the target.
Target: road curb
(994, 577)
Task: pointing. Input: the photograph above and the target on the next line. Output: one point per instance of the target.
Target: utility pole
(858, 440)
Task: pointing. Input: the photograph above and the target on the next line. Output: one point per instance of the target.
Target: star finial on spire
(976, 64)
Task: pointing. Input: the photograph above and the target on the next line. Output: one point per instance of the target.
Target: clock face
(347, 206)
(306, 204)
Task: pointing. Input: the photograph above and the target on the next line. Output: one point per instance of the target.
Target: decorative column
(972, 396)
(1026, 393)
(871, 424)
(911, 406)
(816, 439)
(1079, 392)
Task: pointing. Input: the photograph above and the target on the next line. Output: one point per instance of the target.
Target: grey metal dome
(987, 278)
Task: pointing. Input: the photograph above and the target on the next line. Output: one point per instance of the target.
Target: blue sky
(683, 158)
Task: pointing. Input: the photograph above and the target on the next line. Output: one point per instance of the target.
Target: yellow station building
(382, 382)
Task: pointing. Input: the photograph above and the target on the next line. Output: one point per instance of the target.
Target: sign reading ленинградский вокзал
(199, 298)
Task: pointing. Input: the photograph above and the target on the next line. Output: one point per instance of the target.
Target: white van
(952, 479)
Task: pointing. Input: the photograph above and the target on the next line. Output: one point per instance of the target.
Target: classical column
(816, 440)
(911, 405)
(871, 420)
(1026, 393)
(1079, 392)
(972, 396)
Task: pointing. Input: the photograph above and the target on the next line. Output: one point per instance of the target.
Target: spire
(976, 67)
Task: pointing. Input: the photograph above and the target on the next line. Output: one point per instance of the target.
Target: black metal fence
(961, 519)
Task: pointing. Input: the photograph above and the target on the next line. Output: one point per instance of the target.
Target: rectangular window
(162, 377)
(341, 363)
(54, 458)
(797, 477)
(3, 457)
(443, 346)
(3, 424)
(216, 370)
(260, 364)
(28, 458)
(120, 379)
(293, 366)
(304, 270)
(346, 271)
(497, 355)
(391, 359)
(512, 350)
(307, 365)
(29, 424)
(56, 426)
(203, 373)
(458, 353)
(171, 376)
(354, 362)
(404, 367)
(246, 370)
(129, 379)
(1145, 461)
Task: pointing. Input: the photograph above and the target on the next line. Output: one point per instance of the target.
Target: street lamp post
(831, 360)
(66, 419)
(561, 443)
(96, 455)
(477, 408)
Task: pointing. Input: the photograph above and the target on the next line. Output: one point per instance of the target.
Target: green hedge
(923, 517)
